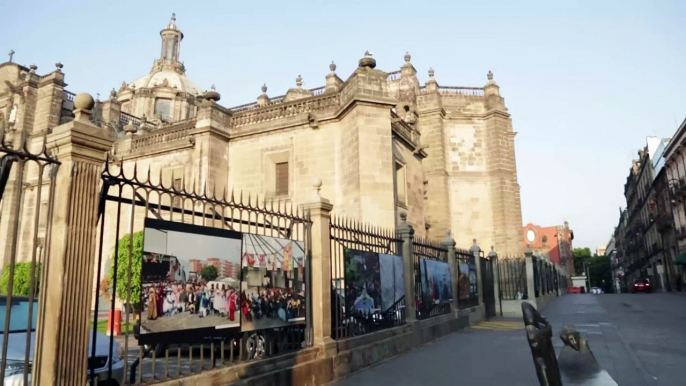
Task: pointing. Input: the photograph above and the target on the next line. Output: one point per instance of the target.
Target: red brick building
(554, 242)
(196, 265)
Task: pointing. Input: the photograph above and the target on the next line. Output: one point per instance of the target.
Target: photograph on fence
(436, 283)
(273, 287)
(374, 282)
(190, 278)
(466, 282)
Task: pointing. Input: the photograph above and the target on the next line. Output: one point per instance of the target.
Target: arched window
(163, 108)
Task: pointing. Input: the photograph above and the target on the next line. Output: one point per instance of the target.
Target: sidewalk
(497, 353)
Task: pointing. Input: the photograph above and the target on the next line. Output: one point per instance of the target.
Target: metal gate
(488, 285)
(131, 199)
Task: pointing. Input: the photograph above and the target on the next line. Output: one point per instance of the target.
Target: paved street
(637, 338)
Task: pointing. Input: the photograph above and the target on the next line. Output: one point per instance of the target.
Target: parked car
(16, 346)
(641, 285)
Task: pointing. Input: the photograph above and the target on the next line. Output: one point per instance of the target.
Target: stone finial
(448, 232)
(123, 85)
(59, 66)
(431, 72)
(83, 104)
(474, 240)
(332, 67)
(407, 57)
(212, 95)
(33, 68)
(316, 186)
(130, 129)
(264, 88)
(490, 75)
(113, 94)
(367, 61)
(403, 216)
(299, 81)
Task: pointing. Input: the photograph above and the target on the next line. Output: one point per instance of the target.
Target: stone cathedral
(380, 142)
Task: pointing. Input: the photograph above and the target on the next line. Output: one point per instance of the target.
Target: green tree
(581, 256)
(122, 273)
(22, 279)
(600, 272)
(209, 273)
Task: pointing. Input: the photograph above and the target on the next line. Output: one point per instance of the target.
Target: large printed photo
(190, 278)
(374, 282)
(436, 283)
(273, 288)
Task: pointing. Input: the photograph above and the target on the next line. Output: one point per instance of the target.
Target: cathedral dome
(173, 80)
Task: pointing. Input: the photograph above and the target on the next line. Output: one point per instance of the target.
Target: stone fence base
(311, 367)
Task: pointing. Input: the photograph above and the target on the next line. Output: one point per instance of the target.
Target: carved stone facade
(380, 142)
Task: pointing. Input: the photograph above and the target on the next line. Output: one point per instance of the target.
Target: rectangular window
(281, 179)
(400, 184)
(172, 178)
(163, 108)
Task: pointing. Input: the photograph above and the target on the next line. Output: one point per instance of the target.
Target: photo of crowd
(174, 296)
(273, 286)
(373, 282)
(436, 283)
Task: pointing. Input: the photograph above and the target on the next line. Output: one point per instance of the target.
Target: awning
(681, 260)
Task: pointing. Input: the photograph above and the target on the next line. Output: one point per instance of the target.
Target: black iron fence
(433, 289)
(275, 312)
(512, 278)
(357, 252)
(467, 288)
(27, 192)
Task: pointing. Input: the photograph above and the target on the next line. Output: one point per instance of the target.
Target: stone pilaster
(319, 209)
(67, 277)
(530, 284)
(493, 256)
(431, 127)
(476, 252)
(449, 244)
(406, 233)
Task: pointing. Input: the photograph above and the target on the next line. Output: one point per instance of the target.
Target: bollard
(114, 317)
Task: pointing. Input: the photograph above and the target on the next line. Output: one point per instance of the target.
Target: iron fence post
(493, 256)
(530, 285)
(406, 233)
(449, 244)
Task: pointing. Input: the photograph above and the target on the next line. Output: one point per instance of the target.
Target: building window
(172, 178)
(544, 239)
(163, 108)
(281, 179)
(400, 184)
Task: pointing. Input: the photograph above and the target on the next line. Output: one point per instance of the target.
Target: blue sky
(585, 81)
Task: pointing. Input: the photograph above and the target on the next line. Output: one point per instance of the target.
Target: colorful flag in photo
(285, 263)
(263, 264)
(251, 260)
(245, 259)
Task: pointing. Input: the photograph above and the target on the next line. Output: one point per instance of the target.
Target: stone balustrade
(454, 91)
(173, 132)
(282, 110)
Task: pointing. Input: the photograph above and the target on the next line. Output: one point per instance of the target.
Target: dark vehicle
(641, 285)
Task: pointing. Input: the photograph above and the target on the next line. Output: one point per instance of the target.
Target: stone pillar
(67, 278)
(449, 244)
(476, 251)
(320, 263)
(406, 233)
(111, 110)
(493, 256)
(530, 285)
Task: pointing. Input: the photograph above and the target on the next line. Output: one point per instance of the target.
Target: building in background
(641, 244)
(195, 265)
(675, 176)
(601, 250)
(552, 242)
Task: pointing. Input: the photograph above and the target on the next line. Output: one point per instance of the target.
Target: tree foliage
(22, 279)
(122, 274)
(581, 256)
(209, 273)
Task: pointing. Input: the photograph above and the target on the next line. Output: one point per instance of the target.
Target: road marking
(499, 326)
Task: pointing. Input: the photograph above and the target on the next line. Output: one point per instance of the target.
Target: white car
(16, 347)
